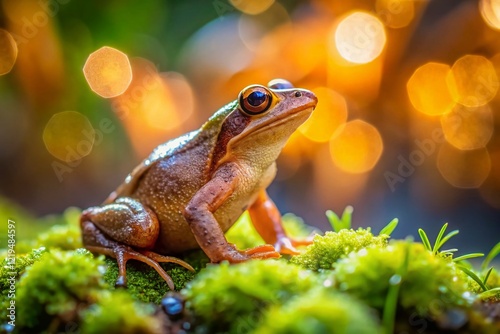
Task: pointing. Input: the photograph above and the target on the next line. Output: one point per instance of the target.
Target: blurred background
(407, 124)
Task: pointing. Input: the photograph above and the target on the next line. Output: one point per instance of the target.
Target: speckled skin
(181, 184)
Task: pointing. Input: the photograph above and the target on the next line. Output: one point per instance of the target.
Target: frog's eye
(255, 100)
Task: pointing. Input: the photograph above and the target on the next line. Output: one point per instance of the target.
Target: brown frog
(192, 189)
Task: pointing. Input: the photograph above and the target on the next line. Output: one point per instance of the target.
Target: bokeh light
(428, 90)
(155, 106)
(490, 11)
(108, 72)
(330, 113)
(472, 81)
(251, 7)
(69, 136)
(8, 52)
(171, 103)
(356, 147)
(463, 169)
(360, 37)
(468, 128)
(395, 13)
(254, 28)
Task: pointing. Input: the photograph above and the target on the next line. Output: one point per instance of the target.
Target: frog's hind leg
(114, 229)
(266, 219)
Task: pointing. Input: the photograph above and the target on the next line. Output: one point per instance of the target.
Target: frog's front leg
(125, 230)
(266, 219)
(199, 213)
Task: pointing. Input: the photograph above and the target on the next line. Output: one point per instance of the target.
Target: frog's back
(168, 179)
(204, 138)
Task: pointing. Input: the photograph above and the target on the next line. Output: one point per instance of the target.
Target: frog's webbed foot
(124, 253)
(233, 255)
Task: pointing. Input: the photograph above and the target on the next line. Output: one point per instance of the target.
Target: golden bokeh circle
(69, 136)
(360, 37)
(108, 72)
(428, 90)
(468, 128)
(8, 52)
(472, 81)
(356, 147)
(330, 113)
(490, 11)
(252, 7)
(395, 13)
(463, 169)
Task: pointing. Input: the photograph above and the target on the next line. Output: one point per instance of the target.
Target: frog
(190, 190)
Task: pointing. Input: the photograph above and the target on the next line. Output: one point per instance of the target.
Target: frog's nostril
(297, 93)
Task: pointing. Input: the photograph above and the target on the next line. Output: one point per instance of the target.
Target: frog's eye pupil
(256, 98)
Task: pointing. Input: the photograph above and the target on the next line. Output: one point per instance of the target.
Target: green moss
(329, 248)
(56, 286)
(320, 311)
(231, 298)
(10, 273)
(144, 283)
(117, 312)
(431, 283)
(66, 235)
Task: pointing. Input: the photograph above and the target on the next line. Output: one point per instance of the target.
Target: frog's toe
(286, 245)
(162, 258)
(121, 282)
(262, 252)
(259, 249)
(124, 253)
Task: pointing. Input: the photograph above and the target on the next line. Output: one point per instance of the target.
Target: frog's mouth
(287, 118)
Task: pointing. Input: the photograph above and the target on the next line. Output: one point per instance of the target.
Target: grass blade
(489, 293)
(473, 275)
(334, 220)
(346, 217)
(467, 256)
(451, 250)
(485, 279)
(389, 228)
(446, 238)
(425, 239)
(438, 238)
(491, 255)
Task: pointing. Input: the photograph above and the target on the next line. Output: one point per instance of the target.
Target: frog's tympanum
(192, 189)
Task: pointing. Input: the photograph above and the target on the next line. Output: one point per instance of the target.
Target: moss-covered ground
(347, 281)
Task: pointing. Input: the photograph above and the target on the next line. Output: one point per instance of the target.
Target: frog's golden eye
(255, 100)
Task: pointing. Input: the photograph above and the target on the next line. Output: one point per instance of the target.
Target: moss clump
(329, 248)
(57, 286)
(117, 312)
(320, 311)
(430, 285)
(231, 298)
(64, 237)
